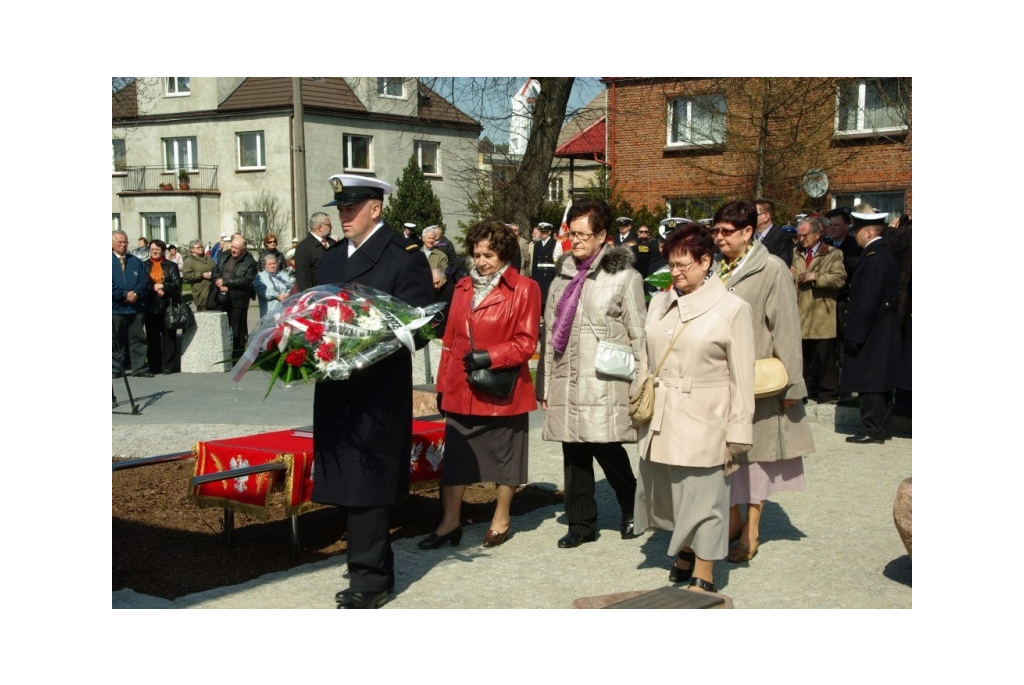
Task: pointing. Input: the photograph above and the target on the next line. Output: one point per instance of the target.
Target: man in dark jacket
(871, 350)
(362, 426)
(235, 273)
(311, 250)
(770, 235)
(131, 286)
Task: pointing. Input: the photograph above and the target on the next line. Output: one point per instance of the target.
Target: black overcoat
(872, 321)
(362, 426)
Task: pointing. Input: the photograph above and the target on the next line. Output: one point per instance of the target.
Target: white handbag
(613, 360)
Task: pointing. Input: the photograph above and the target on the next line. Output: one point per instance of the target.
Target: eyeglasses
(643, 233)
(680, 267)
(726, 232)
(576, 235)
(271, 242)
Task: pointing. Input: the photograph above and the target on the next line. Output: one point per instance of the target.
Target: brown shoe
(741, 553)
(494, 538)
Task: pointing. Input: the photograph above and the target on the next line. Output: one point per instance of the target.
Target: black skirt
(486, 449)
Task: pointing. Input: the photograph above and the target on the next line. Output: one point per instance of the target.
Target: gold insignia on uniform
(672, 224)
(336, 185)
(643, 248)
(412, 248)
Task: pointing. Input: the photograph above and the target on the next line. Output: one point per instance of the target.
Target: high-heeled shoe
(682, 575)
(741, 553)
(494, 538)
(433, 541)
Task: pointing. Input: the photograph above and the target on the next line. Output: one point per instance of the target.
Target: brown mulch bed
(166, 546)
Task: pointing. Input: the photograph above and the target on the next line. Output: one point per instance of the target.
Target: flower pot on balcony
(166, 186)
(183, 186)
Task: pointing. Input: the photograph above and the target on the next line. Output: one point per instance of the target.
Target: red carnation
(366, 309)
(343, 295)
(319, 312)
(345, 314)
(296, 357)
(314, 332)
(326, 351)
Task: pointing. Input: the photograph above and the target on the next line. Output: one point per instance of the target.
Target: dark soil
(164, 545)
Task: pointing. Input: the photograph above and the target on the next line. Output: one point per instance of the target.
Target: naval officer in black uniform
(362, 426)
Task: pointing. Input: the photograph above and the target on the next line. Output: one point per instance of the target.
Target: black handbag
(497, 382)
(179, 315)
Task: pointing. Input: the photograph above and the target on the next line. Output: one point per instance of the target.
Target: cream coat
(816, 300)
(764, 281)
(704, 397)
(584, 406)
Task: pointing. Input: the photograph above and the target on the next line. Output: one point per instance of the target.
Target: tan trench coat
(764, 281)
(705, 393)
(816, 300)
(584, 406)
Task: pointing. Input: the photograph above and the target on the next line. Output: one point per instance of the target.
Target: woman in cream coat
(704, 402)
(781, 432)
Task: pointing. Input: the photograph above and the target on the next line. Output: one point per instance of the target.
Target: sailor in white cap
(625, 233)
(872, 338)
(411, 238)
(362, 426)
(543, 253)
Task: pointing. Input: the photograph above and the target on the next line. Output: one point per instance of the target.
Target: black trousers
(578, 461)
(371, 563)
(161, 343)
(239, 325)
(129, 336)
(821, 369)
(876, 413)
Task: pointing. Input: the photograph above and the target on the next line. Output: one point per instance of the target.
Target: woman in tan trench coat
(781, 432)
(704, 401)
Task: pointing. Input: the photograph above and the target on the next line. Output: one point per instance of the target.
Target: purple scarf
(565, 310)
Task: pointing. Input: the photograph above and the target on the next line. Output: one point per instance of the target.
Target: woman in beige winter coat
(597, 295)
(704, 402)
(781, 432)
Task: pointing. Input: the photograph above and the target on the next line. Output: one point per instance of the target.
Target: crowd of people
(827, 298)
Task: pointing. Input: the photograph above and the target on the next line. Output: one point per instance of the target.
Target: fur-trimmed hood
(611, 259)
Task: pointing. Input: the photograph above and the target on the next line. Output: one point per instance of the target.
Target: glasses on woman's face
(674, 266)
(271, 242)
(726, 232)
(576, 235)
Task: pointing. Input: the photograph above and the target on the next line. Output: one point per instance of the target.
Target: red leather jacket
(505, 324)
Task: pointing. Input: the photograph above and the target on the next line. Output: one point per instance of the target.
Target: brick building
(691, 143)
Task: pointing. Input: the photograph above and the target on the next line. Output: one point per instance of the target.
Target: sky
(489, 100)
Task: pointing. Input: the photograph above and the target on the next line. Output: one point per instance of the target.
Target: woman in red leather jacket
(486, 437)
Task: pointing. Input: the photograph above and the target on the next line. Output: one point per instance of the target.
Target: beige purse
(770, 377)
(641, 406)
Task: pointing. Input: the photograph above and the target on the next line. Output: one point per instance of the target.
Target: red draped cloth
(251, 494)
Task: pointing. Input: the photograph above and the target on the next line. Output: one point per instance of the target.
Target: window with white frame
(555, 192)
(180, 153)
(428, 156)
(893, 202)
(391, 87)
(119, 154)
(162, 226)
(251, 150)
(872, 105)
(116, 221)
(252, 224)
(178, 85)
(697, 120)
(357, 153)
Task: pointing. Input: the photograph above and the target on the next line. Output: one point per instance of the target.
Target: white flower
(371, 321)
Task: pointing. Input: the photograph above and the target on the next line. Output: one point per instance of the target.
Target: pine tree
(413, 201)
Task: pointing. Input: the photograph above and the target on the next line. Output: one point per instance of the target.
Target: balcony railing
(139, 179)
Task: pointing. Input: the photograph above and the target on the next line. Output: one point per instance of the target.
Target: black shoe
(682, 575)
(864, 439)
(702, 584)
(167, 372)
(116, 374)
(571, 539)
(626, 528)
(433, 541)
(144, 373)
(354, 599)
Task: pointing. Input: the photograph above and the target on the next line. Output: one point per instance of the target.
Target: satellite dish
(815, 182)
